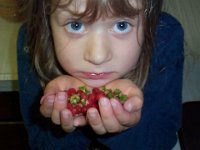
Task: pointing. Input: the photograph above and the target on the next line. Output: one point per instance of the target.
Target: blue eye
(122, 27)
(75, 27)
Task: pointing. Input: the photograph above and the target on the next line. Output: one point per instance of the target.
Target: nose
(98, 48)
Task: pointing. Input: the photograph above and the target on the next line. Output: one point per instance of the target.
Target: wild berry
(99, 95)
(80, 100)
(75, 99)
(71, 91)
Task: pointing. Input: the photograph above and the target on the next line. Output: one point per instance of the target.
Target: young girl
(96, 43)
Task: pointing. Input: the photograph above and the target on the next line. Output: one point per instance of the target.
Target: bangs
(96, 9)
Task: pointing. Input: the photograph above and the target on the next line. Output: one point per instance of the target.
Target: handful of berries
(81, 99)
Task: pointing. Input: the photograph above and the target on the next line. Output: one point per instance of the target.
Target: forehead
(81, 5)
(74, 5)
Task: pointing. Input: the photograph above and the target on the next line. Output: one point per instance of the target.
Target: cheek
(130, 58)
(61, 45)
(134, 51)
(128, 53)
(64, 48)
(131, 49)
(63, 55)
(69, 56)
(66, 58)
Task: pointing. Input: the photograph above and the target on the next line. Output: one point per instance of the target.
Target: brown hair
(40, 40)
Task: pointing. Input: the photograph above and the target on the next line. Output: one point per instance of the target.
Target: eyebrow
(65, 10)
(72, 8)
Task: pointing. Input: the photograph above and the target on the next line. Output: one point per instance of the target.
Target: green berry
(117, 92)
(84, 89)
(74, 99)
(83, 102)
(123, 98)
(110, 95)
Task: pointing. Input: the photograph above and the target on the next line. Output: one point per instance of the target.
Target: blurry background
(10, 20)
(187, 12)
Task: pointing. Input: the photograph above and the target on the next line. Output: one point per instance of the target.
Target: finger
(125, 118)
(46, 107)
(80, 121)
(67, 121)
(95, 121)
(134, 104)
(109, 119)
(59, 104)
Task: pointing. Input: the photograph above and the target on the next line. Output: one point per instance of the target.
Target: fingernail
(61, 96)
(129, 107)
(104, 102)
(42, 99)
(92, 113)
(113, 103)
(50, 99)
(76, 123)
(65, 114)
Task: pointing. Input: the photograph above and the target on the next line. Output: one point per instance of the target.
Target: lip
(96, 76)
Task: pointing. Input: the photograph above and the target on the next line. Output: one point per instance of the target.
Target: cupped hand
(54, 101)
(113, 116)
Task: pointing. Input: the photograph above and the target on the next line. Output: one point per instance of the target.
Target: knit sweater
(161, 112)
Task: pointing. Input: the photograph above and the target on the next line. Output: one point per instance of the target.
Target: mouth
(96, 76)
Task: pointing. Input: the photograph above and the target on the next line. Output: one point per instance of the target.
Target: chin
(96, 83)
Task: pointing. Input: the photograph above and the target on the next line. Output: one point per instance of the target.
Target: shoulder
(169, 41)
(168, 18)
(168, 22)
(21, 37)
(27, 76)
(168, 29)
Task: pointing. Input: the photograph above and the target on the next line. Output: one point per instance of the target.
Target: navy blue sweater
(161, 113)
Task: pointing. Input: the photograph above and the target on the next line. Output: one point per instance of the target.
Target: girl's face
(99, 52)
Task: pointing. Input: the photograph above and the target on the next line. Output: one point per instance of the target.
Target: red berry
(100, 95)
(79, 101)
(78, 109)
(91, 98)
(71, 108)
(71, 91)
(95, 90)
(84, 109)
(82, 94)
(95, 105)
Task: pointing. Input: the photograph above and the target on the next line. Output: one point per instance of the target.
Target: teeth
(96, 74)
